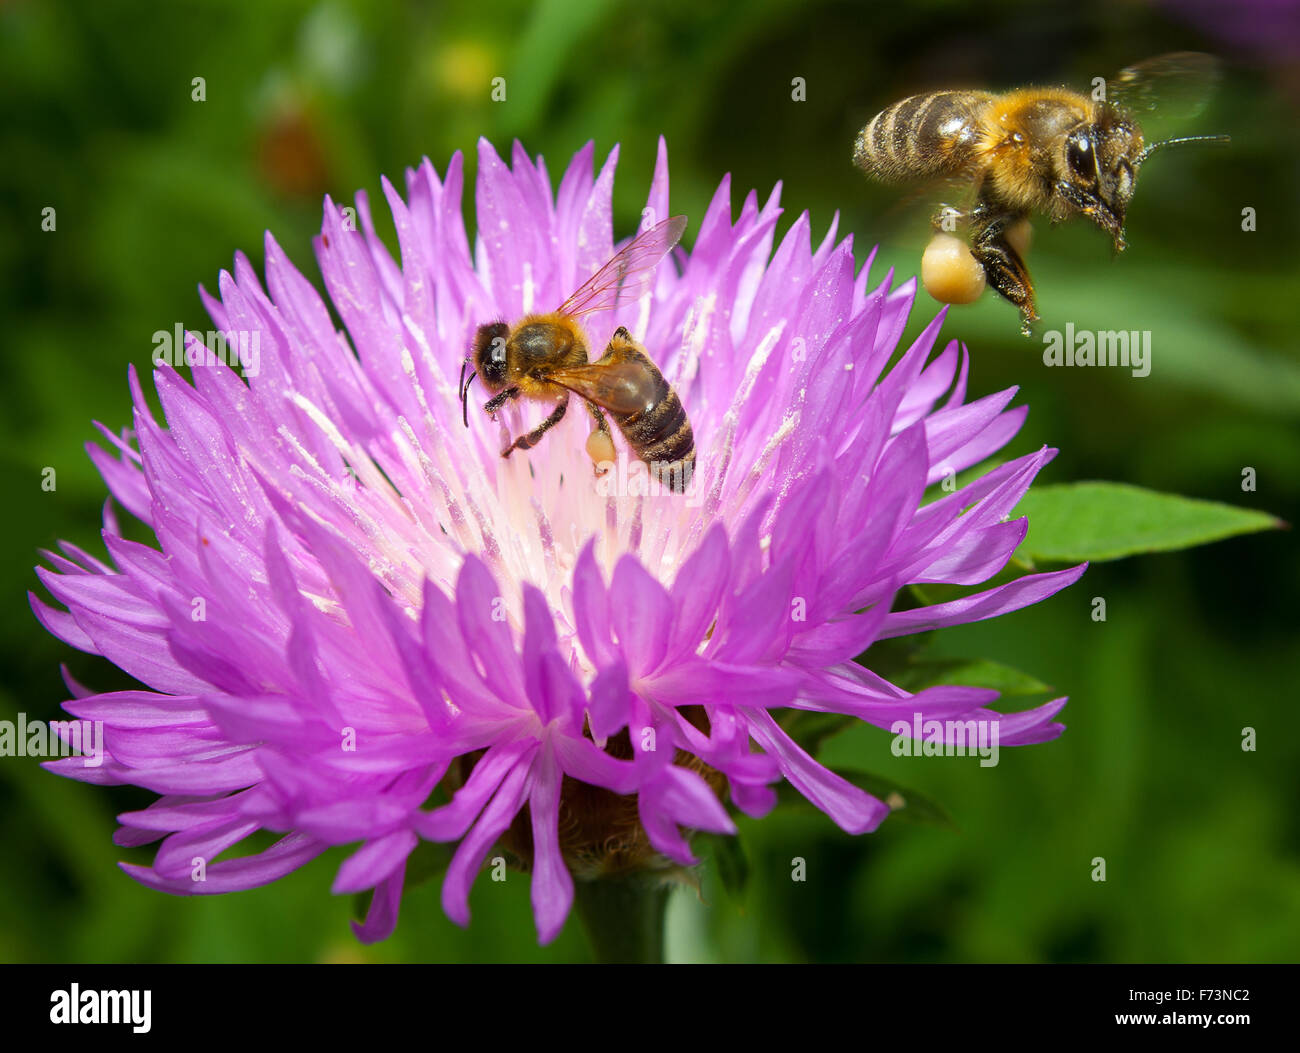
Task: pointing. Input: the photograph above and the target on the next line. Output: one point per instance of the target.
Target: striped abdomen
(661, 434)
(923, 136)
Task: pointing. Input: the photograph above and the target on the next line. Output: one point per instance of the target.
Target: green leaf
(907, 669)
(904, 803)
(888, 657)
(969, 672)
(811, 729)
(728, 855)
(427, 860)
(361, 904)
(1101, 521)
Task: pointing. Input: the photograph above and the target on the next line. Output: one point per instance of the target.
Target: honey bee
(1047, 150)
(543, 358)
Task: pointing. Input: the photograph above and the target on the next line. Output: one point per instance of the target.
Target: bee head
(1100, 165)
(490, 354)
(1119, 150)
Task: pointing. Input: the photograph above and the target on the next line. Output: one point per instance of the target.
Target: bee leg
(1094, 209)
(528, 441)
(500, 399)
(600, 444)
(947, 219)
(1003, 265)
(598, 416)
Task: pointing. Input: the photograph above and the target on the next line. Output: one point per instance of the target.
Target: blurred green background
(154, 192)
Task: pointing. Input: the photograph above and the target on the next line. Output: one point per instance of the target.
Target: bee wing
(1172, 87)
(913, 210)
(620, 386)
(624, 278)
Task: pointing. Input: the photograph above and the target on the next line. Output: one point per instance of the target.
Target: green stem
(624, 918)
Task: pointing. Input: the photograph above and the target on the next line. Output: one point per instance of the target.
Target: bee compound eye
(1079, 156)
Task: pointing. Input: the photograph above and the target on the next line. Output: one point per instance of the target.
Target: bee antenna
(1179, 142)
(464, 395)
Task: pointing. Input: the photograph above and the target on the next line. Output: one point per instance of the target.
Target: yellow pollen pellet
(1020, 236)
(600, 447)
(949, 272)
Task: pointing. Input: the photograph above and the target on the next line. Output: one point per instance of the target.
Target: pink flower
(353, 599)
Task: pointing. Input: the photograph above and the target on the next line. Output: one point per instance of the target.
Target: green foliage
(973, 672)
(155, 192)
(726, 855)
(904, 803)
(1098, 521)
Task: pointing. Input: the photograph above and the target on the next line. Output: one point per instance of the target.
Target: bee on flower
(407, 636)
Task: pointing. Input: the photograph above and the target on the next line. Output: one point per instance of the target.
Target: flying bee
(543, 358)
(1046, 150)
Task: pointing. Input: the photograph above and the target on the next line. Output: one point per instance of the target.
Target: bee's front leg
(528, 441)
(1003, 266)
(499, 399)
(1092, 207)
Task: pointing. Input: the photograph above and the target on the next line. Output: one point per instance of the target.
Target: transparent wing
(1172, 87)
(621, 386)
(625, 277)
